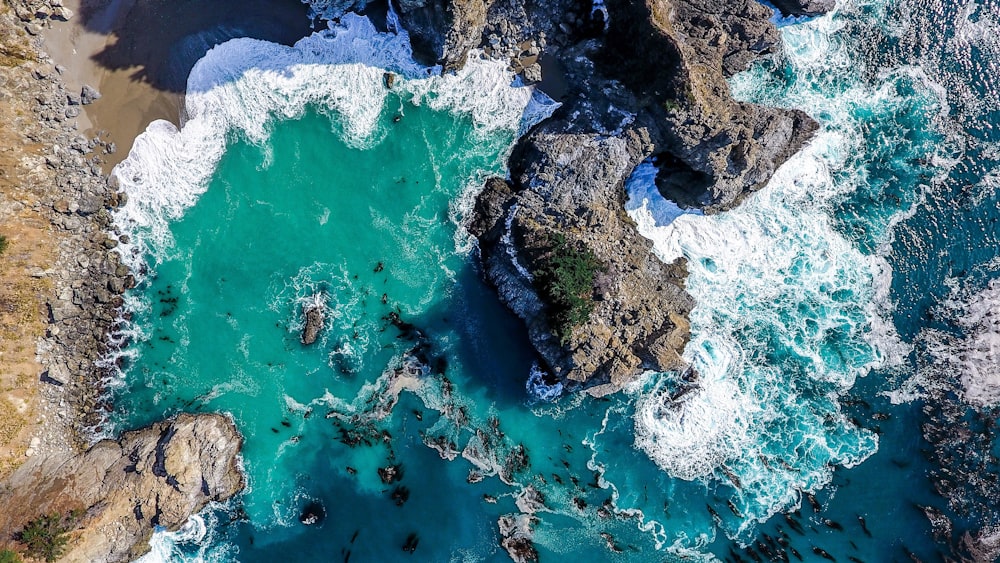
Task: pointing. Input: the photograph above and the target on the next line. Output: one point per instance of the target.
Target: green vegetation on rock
(3, 247)
(565, 279)
(45, 537)
(8, 556)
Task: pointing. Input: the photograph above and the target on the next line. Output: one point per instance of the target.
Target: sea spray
(792, 302)
(242, 86)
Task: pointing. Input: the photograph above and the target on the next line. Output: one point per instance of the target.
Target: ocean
(833, 305)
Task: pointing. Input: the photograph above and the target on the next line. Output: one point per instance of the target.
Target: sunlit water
(301, 178)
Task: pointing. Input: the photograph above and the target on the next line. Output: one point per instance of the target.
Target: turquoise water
(300, 178)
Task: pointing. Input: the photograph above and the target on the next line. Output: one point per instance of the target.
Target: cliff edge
(122, 489)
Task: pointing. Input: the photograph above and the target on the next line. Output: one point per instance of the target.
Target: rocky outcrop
(571, 185)
(673, 55)
(157, 476)
(516, 537)
(442, 31)
(567, 175)
(642, 78)
(712, 151)
(314, 313)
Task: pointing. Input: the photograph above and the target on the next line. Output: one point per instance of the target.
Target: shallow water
(300, 178)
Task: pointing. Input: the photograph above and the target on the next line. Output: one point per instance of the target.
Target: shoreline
(126, 106)
(66, 195)
(87, 277)
(63, 282)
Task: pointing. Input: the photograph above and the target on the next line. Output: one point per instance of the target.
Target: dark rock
(314, 513)
(390, 474)
(515, 537)
(315, 319)
(410, 545)
(804, 7)
(88, 95)
(712, 150)
(572, 184)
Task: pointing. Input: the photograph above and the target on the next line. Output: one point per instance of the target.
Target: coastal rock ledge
(157, 476)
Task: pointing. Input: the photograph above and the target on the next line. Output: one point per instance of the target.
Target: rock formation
(567, 175)
(314, 313)
(157, 476)
(644, 79)
(711, 150)
(572, 185)
(516, 537)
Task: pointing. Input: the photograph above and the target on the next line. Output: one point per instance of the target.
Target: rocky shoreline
(87, 277)
(62, 469)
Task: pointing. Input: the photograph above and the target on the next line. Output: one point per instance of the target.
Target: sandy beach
(60, 279)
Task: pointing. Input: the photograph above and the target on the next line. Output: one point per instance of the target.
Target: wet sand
(138, 53)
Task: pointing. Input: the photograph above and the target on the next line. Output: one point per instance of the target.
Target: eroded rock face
(569, 182)
(516, 537)
(315, 319)
(650, 84)
(156, 476)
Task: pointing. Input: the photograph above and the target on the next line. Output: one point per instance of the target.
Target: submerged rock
(390, 474)
(154, 477)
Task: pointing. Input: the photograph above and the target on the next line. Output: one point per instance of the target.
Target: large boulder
(569, 187)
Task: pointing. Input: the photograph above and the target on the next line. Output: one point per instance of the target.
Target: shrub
(8, 556)
(45, 537)
(566, 281)
(3, 247)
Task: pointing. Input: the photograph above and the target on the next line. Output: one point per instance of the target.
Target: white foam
(775, 278)
(196, 535)
(243, 85)
(538, 389)
(973, 357)
(645, 203)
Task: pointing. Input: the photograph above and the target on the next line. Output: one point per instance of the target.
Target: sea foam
(973, 356)
(790, 310)
(242, 86)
